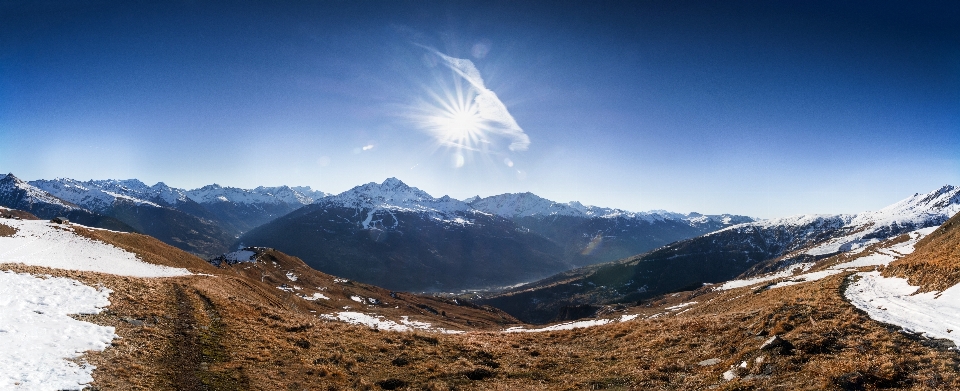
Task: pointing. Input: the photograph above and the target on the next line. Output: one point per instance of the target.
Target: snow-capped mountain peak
(519, 205)
(169, 195)
(10, 184)
(943, 202)
(393, 194)
(261, 195)
(846, 232)
(98, 195)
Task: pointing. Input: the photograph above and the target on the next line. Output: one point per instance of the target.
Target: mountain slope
(400, 237)
(150, 210)
(203, 221)
(590, 234)
(243, 210)
(935, 265)
(746, 249)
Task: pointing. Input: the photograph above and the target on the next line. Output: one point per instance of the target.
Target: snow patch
(41, 243)
(806, 277)
(885, 255)
(561, 326)
(733, 284)
(381, 323)
(38, 336)
(316, 296)
(892, 300)
(679, 306)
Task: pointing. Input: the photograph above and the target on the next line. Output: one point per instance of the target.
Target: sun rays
(464, 116)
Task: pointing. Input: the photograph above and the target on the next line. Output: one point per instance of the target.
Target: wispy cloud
(489, 107)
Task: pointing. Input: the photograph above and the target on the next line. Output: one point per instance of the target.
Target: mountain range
(400, 237)
(744, 250)
(204, 221)
(388, 233)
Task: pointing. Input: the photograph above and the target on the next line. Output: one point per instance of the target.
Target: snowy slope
(97, 196)
(41, 342)
(517, 205)
(39, 337)
(41, 243)
(798, 273)
(302, 195)
(823, 235)
(394, 195)
(10, 185)
(893, 300)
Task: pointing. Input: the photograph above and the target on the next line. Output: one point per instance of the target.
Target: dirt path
(198, 360)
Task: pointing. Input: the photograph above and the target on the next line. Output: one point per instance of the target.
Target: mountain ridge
(744, 250)
(369, 232)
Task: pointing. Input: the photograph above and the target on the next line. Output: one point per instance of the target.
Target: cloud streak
(489, 106)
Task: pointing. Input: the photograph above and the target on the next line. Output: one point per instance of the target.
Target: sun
(462, 126)
(453, 118)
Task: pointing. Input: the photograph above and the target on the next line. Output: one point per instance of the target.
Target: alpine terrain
(746, 250)
(868, 307)
(203, 221)
(400, 237)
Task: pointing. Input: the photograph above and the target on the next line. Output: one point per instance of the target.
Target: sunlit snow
(892, 300)
(381, 323)
(41, 243)
(37, 335)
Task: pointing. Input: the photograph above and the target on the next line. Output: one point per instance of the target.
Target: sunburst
(453, 118)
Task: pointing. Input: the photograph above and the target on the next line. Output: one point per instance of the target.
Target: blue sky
(759, 108)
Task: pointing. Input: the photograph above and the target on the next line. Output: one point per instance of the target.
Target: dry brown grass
(16, 214)
(148, 249)
(6, 230)
(224, 333)
(935, 264)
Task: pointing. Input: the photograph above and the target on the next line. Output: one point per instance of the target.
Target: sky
(757, 108)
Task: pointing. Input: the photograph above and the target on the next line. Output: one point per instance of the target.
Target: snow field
(41, 243)
(880, 256)
(884, 256)
(38, 336)
(892, 300)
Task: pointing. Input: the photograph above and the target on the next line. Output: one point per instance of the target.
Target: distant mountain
(817, 236)
(235, 210)
(17, 194)
(203, 221)
(591, 234)
(744, 249)
(149, 210)
(400, 237)
(243, 210)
